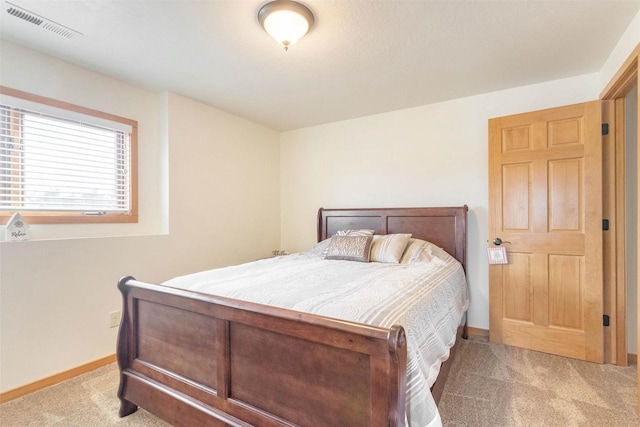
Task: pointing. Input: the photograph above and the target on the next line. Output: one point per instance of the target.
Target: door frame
(613, 245)
(618, 87)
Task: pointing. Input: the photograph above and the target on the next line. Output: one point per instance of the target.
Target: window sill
(70, 218)
(4, 242)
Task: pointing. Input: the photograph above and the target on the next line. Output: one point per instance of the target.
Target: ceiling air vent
(24, 15)
(40, 21)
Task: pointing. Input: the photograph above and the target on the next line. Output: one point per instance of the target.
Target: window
(61, 163)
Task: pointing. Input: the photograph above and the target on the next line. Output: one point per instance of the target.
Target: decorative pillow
(362, 232)
(389, 248)
(320, 248)
(350, 248)
(422, 251)
(414, 247)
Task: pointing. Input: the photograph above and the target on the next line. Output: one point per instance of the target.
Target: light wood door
(545, 198)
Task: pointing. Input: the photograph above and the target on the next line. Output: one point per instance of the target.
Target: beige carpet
(85, 401)
(489, 385)
(497, 385)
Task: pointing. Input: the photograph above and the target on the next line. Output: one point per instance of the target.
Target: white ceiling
(363, 56)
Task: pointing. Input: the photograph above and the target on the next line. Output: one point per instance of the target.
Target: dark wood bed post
(125, 347)
(319, 224)
(397, 349)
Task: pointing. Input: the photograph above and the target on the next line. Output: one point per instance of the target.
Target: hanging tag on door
(497, 255)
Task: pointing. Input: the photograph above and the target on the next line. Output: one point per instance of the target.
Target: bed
(195, 358)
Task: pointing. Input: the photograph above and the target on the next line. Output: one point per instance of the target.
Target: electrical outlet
(114, 318)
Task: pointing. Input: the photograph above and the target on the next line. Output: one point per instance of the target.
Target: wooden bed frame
(197, 359)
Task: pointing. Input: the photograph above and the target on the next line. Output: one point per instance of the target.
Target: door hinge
(605, 224)
(605, 320)
(605, 128)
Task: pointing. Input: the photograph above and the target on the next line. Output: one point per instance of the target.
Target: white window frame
(72, 111)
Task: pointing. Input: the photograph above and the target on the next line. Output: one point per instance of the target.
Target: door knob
(498, 241)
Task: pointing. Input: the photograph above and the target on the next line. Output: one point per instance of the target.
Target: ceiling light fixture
(287, 21)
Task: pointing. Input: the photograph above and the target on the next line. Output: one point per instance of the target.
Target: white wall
(433, 155)
(222, 187)
(621, 52)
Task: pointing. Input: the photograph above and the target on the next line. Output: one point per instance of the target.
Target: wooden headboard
(445, 227)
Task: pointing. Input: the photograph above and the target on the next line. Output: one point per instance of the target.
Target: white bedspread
(428, 299)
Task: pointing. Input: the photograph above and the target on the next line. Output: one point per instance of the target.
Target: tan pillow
(362, 232)
(350, 248)
(421, 251)
(412, 251)
(389, 248)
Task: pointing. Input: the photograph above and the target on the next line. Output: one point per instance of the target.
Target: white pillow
(389, 248)
(422, 251)
(320, 248)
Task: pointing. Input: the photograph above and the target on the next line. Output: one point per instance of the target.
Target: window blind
(54, 163)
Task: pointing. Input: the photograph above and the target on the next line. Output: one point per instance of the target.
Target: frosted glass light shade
(286, 27)
(286, 21)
